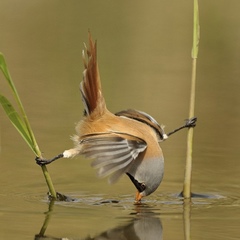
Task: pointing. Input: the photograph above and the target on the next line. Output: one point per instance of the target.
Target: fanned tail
(90, 87)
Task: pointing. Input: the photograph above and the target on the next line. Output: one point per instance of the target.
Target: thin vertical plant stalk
(49, 182)
(32, 142)
(188, 166)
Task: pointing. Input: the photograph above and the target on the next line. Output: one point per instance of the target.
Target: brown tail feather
(90, 87)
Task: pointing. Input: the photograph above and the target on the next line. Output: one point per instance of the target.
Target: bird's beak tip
(138, 198)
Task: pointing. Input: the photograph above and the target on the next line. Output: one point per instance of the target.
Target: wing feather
(112, 153)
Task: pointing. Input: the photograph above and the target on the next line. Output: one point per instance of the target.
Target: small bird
(124, 142)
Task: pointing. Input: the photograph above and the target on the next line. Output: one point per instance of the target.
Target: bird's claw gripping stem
(191, 122)
(42, 161)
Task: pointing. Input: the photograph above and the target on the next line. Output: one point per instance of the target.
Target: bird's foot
(191, 122)
(42, 161)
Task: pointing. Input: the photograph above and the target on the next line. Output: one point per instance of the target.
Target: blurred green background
(144, 55)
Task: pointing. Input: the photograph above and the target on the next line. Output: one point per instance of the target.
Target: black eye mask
(140, 186)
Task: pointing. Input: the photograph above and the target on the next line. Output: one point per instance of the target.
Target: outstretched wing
(112, 153)
(144, 118)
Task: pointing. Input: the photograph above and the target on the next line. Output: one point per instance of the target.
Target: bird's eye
(140, 186)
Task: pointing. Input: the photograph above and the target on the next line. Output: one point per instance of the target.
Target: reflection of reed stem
(186, 218)
(188, 168)
(47, 219)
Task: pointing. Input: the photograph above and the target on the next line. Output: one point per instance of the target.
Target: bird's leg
(191, 122)
(66, 154)
(42, 161)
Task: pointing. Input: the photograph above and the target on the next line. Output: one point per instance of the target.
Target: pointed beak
(138, 197)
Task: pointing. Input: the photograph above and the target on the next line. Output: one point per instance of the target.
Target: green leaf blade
(21, 123)
(3, 67)
(16, 121)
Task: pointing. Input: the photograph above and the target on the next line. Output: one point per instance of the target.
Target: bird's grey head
(147, 181)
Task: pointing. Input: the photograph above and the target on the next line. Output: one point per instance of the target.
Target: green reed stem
(188, 166)
(27, 128)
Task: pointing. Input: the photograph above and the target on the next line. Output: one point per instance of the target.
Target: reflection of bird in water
(142, 228)
(125, 142)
